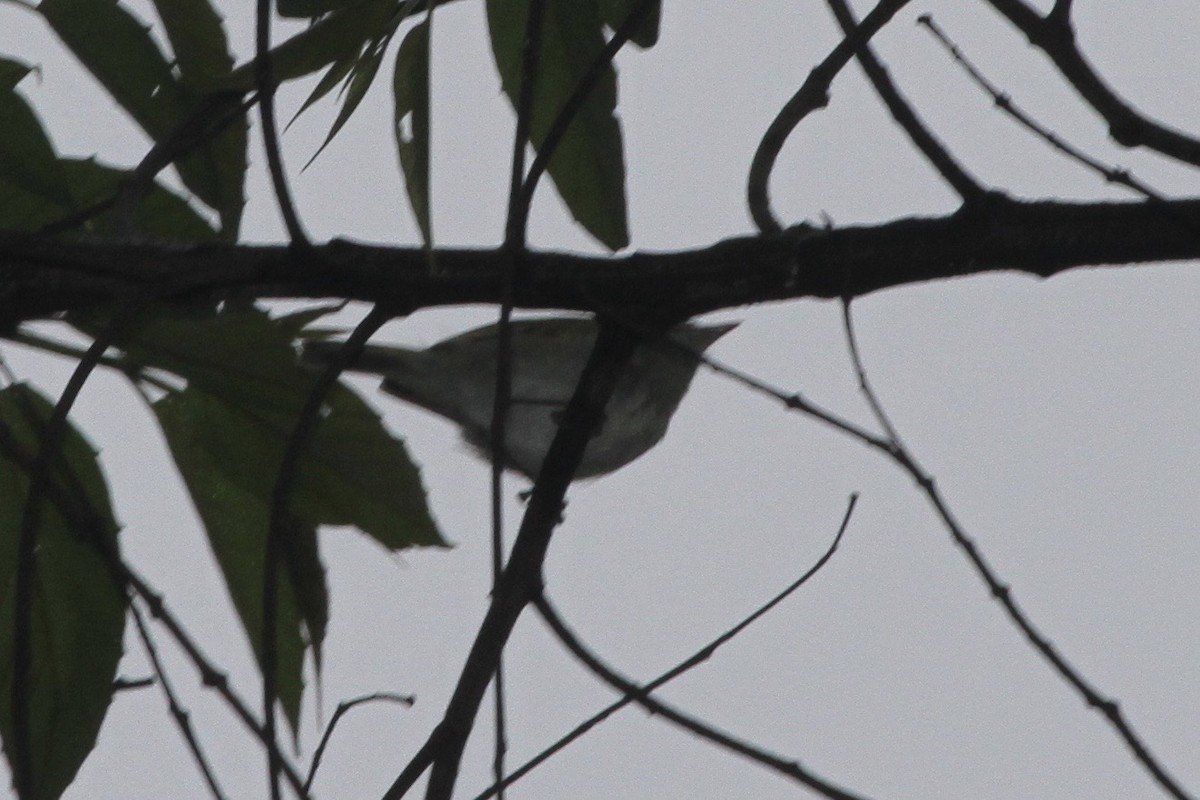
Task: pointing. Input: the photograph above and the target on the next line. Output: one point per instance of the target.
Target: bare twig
(71, 500)
(264, 78)
(344, 707)
(1005, 103)
(1003, 592)
(515, 228)
(784, 766)
(701, 655)
(918, 132)
(522, 577)
(45, 464)
(281, 520)
(178, 712)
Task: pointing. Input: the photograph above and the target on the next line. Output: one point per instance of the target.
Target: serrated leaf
(354, 472)
(410, 119)
(228, 431)
(615, 12)
(78, 612)
(118, 50)
(28, 162)
(588, 168)
(197, 38)
(160, 212)
(227, 463)
(362, 75)
(341, 35)
(310, 8)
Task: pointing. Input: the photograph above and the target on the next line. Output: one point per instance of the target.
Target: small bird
(456, 379)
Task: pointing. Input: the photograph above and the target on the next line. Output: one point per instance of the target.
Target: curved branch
(1054, 36)
(813, 94)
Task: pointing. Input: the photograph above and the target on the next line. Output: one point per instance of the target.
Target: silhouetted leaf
(197, 37)
(341, 35)
(358, 81)
(78, 612)
(615, 12)
(160, 212)
(588, 168)
(410, 93)
(228, 459)
(310, 8)
(28, 162)
(118, 50)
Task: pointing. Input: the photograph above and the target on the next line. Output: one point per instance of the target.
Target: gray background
(1058, 416)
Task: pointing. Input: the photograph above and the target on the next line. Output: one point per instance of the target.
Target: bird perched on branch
(456, 379)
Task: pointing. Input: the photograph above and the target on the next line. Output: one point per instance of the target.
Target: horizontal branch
(42, 276)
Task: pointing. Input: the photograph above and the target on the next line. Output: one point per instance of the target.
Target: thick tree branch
(40, 277)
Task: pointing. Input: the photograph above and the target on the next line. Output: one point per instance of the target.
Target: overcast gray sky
(1058, 416)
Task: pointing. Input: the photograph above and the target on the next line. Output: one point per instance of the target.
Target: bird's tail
(374, 360)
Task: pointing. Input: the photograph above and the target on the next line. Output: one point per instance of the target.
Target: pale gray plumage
(456, 378)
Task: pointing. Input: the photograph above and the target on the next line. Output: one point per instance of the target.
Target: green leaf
(118, 50)
(160, 212)
(228, 461)
(588, 168)
(410, 119)
(341, 35)
(615, 12)
(198, 39)
(228, 431)
(310, 8)
(362, 75)
(336, 73)
(78, 610)
(28, 162)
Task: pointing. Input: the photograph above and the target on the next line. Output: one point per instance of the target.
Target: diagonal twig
(918, 132)
(178, 712)
(1091, 695)
(784, 766)
(701, 655)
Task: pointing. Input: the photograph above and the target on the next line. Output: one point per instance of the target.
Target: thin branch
(1003, 592)
(178, 712)
(918, 132)
(789, 768)
(210, 676)
(1005, 103)
(1128, 127)
(701, 655)
(264, 78)
(344, 707)
(515, 229)
(282, 523)
(813, 94)
(522, 578)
